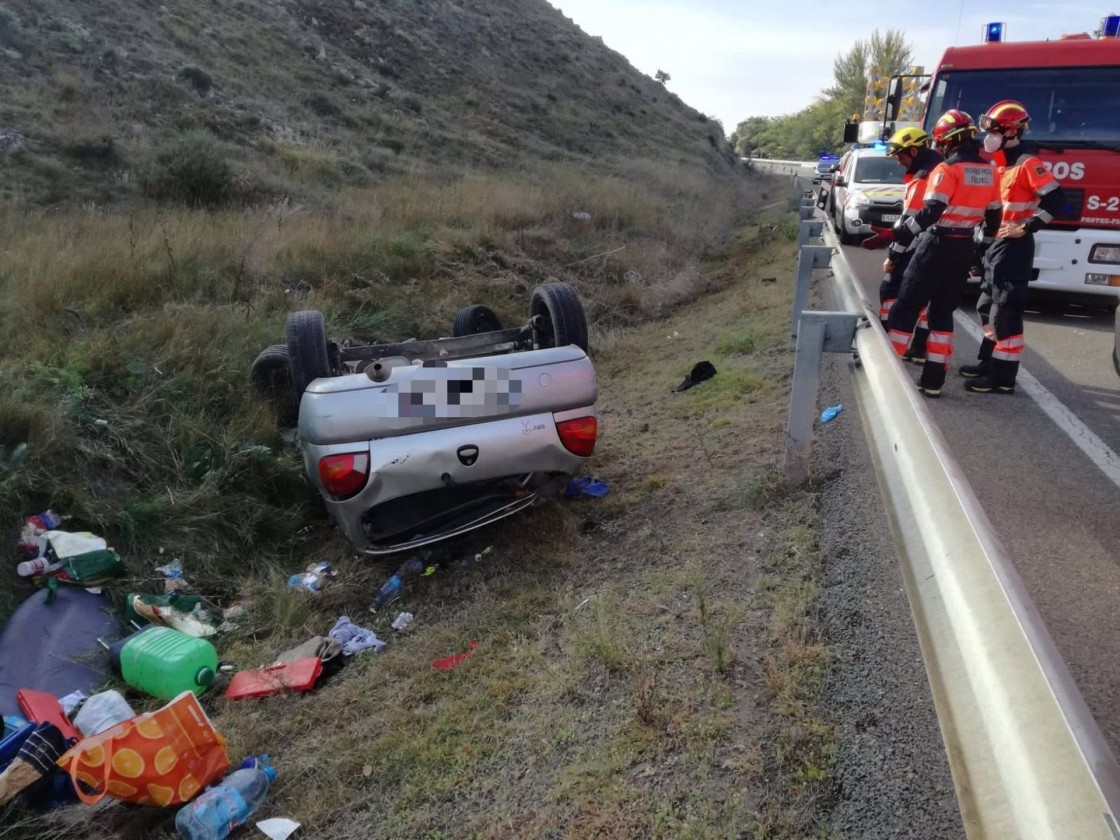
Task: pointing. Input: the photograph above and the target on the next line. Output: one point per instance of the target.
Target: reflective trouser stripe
(1009, 349)
(885, 309)
(939, 346)
(900, 341)
(923, 319)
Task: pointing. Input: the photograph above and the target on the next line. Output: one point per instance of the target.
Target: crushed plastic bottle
(224, 807)
(314, 579)
(389, 591)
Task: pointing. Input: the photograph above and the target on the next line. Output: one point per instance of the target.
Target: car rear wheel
(561, 319)
(308, 351)
(270, 376)
(475, 319)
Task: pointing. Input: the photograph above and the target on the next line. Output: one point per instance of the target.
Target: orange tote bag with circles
(161, 758)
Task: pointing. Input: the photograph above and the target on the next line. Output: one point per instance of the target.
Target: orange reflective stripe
(1009, 349)
(900, 341)
(885, 309)
(939, 346)
(923, 318)
(1022, 185)
(915, 196)
(969, 191)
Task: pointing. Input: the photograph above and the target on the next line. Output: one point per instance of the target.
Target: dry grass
(647, 664)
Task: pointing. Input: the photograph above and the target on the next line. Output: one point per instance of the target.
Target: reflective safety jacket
(961, 193)
(1030, 193)
(916, 177)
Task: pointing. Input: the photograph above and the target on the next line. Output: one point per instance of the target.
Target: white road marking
(1097, 450)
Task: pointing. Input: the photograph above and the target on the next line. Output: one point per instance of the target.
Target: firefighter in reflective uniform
(961, 195)
(911, 148)
(1031, 196)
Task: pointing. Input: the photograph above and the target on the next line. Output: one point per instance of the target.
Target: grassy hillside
(310, 93)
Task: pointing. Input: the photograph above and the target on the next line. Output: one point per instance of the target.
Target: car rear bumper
(425, 487)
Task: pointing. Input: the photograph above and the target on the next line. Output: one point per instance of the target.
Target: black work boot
(973, 371)
(985, 385)
(983, 366)
(916, 353)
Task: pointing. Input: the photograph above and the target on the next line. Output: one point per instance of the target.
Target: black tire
(475, 319)
(562, 321)
(270, 376)
(308, 353)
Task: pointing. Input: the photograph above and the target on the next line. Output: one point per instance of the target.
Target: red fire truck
(1071, 88)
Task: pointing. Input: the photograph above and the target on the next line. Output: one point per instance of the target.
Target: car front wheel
(308, 351)
(559, 316)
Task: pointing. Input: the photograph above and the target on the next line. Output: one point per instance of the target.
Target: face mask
(992, 143)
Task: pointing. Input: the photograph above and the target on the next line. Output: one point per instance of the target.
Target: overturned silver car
(416, 442)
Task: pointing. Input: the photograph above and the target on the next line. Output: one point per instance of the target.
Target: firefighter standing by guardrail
(911, 148)
(961, 194)
(1031, 196)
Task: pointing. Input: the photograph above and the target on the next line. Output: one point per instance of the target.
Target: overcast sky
(733, 60)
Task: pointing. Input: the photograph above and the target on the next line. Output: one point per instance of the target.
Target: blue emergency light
(993, 33)
(1110, 26)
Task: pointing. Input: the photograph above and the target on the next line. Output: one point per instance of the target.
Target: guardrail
(1027, 758)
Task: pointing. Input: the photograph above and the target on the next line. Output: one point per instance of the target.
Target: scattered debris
(354, 638)
(314, 578)
(300, 675)
(586, 485)
(700, 372)
(278, 828)
(830, 413)
(453, 661)
(402, 621)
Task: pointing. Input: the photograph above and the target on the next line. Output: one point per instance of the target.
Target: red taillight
(579, 435)
(345, 474)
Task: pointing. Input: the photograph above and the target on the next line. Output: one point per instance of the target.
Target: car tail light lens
(344, 474)
(579, 435)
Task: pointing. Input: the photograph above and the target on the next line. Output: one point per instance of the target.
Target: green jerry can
(164, 663)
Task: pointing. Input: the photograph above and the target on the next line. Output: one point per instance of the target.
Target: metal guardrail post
(808, 258)
(821, 332)
(808, 229)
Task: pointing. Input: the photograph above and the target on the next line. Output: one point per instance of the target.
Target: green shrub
(95, 152)
(11, 35)
(196, 169)
(198, 78)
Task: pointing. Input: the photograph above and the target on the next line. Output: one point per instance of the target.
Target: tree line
(820, 127)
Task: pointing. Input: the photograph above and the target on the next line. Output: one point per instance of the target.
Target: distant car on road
(867, 190)
(823, 171)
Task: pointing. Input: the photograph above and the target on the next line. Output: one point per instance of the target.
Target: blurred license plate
(891, 217)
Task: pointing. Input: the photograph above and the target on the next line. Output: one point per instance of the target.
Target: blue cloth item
(829, 414)
(586, 485)
(355, 638)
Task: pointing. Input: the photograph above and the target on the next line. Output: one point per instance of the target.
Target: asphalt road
(1055, 507)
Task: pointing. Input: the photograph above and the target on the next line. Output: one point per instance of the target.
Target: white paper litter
(278, 828)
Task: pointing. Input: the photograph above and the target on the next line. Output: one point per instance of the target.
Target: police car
(866, 190)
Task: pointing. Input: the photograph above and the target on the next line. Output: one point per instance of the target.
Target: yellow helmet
(907, 138)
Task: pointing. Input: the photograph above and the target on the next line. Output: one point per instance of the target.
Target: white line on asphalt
(1097, 450)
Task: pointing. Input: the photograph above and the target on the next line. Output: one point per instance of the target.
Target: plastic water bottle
(389, 590)
(219, 810)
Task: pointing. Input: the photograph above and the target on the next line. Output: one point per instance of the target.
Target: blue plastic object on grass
(220, 809)
(586, 485)
(830, 413)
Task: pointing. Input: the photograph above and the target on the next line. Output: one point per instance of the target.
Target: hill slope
(88, 90)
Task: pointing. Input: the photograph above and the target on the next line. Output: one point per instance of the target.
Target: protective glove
(880, 239)
(901, 233)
